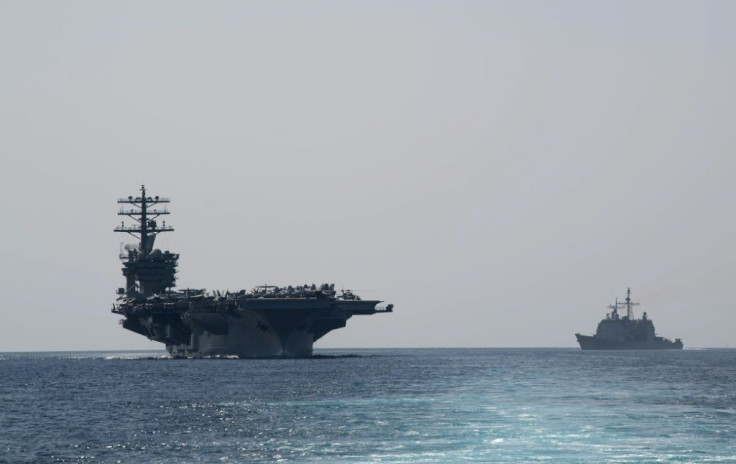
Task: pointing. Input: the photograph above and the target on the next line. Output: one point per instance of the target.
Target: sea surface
(371, 406)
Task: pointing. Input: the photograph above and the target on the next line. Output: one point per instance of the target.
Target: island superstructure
(617, 332)
(268, 321)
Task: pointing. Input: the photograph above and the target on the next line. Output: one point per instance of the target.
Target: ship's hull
(256, 328)
(245, 336)
(597, 343)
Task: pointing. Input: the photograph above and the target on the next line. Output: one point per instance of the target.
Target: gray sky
(500, 171)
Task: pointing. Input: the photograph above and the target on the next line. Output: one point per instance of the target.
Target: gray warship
(268, 321)
(626, 333)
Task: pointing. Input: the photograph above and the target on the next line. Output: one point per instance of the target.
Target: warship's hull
(253, 328)
(246, 336)
(588, 342)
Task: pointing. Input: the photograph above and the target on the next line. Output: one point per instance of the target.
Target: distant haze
(500, 171)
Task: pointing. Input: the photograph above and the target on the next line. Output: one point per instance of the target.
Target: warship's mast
(614, 307)
(147, 228)
(629, 304)
(153, 273)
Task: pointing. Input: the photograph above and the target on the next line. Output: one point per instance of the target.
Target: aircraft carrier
(268, 321)
(617, 332)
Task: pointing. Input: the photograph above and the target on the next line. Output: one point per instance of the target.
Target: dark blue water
(381, 406)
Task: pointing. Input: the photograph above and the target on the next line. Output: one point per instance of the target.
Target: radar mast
(147, 228)
(628, 305)
(614, 307)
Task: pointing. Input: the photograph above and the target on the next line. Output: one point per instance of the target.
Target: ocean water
(371, 406)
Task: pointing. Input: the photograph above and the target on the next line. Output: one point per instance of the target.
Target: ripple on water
(385, 406)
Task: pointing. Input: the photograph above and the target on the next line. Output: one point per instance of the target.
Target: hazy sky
(500, 171)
